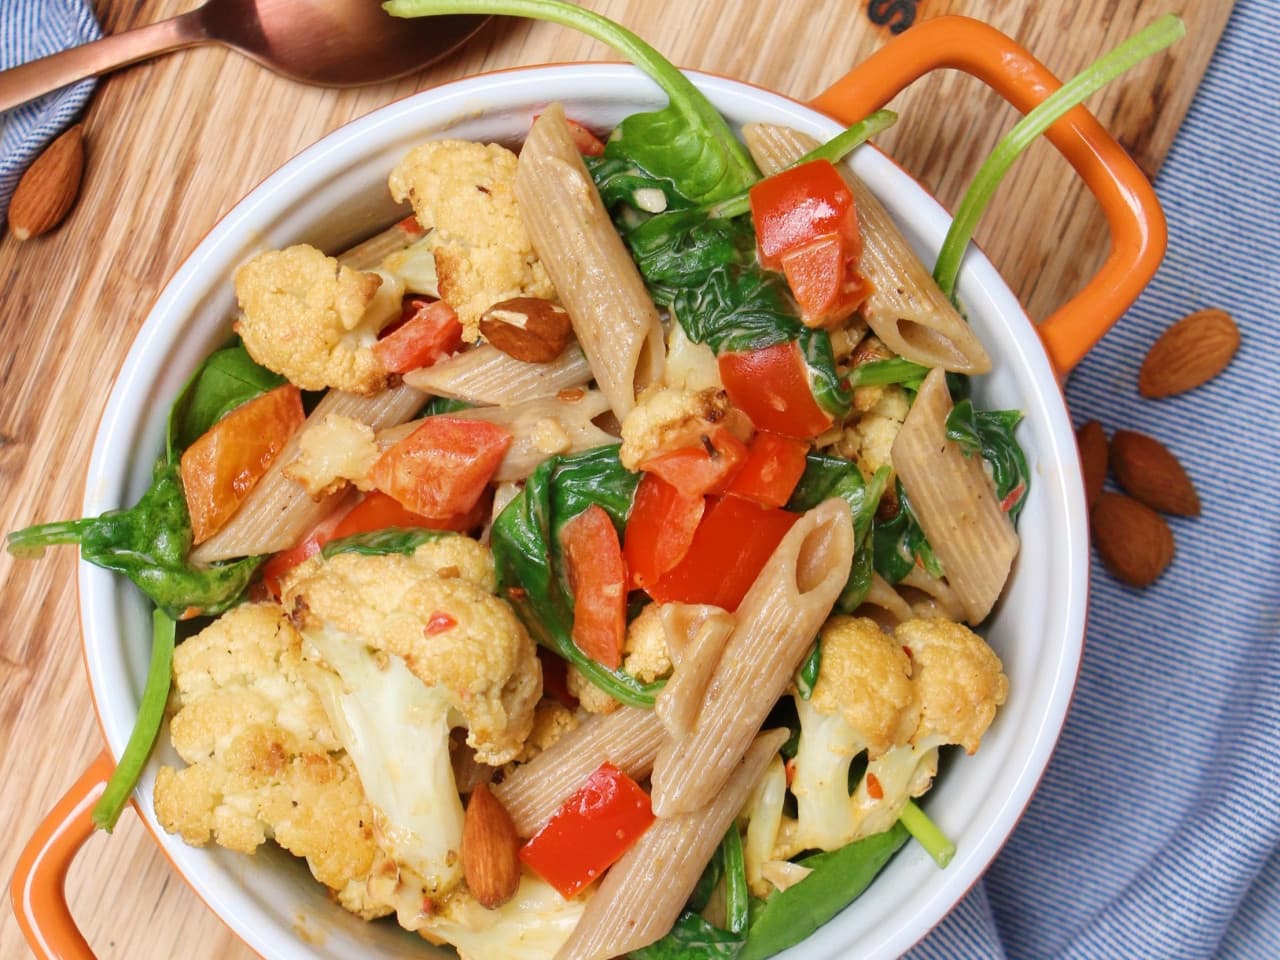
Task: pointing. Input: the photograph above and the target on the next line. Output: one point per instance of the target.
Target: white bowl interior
(334, 194)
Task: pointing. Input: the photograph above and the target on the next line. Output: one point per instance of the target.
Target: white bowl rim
(116, 695)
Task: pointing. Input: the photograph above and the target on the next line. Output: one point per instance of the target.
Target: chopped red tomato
(730, 547)
(824, 283)
(229, 458)
(598, 578)
(771, 386)
(377, 511)
(444, 467)
(588, 144)
(590, 831)
(799, 205)
(772, 469)
(659, 530)
(427, 330)
(700, 469)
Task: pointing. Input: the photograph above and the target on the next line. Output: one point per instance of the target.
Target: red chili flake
(516, 593)
(907, 651)
(874, 790)
(1012, 498)
(439, 622)
(790, 768)
(571, 394)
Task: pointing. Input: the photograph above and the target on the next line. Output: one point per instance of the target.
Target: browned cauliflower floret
(418, 646)
(314, 321)
(590, 697)
(645, 656)
(336, 451)
(666, 418)
(960, 680)
(464, 194)
(551, 721)
(868, 436)
(264, 760)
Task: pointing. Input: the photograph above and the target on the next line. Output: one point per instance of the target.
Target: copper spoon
(334, 43)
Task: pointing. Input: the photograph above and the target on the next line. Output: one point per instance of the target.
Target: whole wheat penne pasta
(628, 738)
(540, 428)
(278, 511)
(906, 308)
(955, 502)
(643, 893)
(371, 252)
(614, 319)
(699, 632)
(776, 623)
(486, 375)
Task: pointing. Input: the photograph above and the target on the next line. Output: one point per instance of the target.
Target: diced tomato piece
(659, 530)
(700, 469)
(444, 467)
(771, 386)
(377, 511)
(797, 206)
(588, 144)
(598, 578)
(229, 458)
(772, 469)
(825, 286)
(729, 549)
(555, 679)
(427, 330)
(590, 831)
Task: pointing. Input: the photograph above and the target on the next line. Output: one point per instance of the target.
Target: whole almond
(48, 189)
(1148, 472)
(527, 328)
(1132, 539)
(1194, 350)
(1092, 441)
(490, 849)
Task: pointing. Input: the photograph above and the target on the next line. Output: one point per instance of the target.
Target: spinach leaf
(737, 912)
(526, 549)
(899, 544)
(225, 380)
(826, 476)
(895, 370)
(838, 878)
(687, 142)
(990, 433)
(149, 543)
(692, 938)
(807, 675)
(403, 540)
(438, 405)
(618, 179)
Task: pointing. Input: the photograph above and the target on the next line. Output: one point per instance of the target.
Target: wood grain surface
(175, 143)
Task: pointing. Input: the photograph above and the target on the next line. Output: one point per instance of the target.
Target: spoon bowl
(333, 43)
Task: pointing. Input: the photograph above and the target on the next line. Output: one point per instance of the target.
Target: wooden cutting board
(173, 144)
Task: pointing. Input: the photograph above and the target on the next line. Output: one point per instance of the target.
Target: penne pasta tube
(628, 738)
(906, 309)
(938, 599)
(776, 623)
(613, 317)
(278, 511)
(882, 595)
(696, 635)
(955, 502)
(371, 253)
(486, 375)
(539, 428)
(643, 893)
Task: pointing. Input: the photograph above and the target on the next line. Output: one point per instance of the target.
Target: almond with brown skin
(1092, 441)
(490, 849)
(48, 189)
(527, 328)
(1148, 472)
(1133, 540)
(1194, 350)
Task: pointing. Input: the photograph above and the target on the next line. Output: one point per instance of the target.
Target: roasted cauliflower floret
(551, 721)
(590, 697)
(264, 760)
(336, 451)
(313, 320)
(666, 418)
(955, 685)
(420, 649)
(645, 656)
(463, 194)
(868, 438)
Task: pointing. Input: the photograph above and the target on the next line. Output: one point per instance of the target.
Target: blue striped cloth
(1156, 831)
(30, 29)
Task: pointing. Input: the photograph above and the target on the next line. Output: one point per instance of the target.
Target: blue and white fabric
(1156, 830)
(30, 29)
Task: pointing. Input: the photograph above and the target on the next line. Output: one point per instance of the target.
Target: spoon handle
(30, 80)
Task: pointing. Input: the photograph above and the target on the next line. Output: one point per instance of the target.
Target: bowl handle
(39, 881)
(1138, 232)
